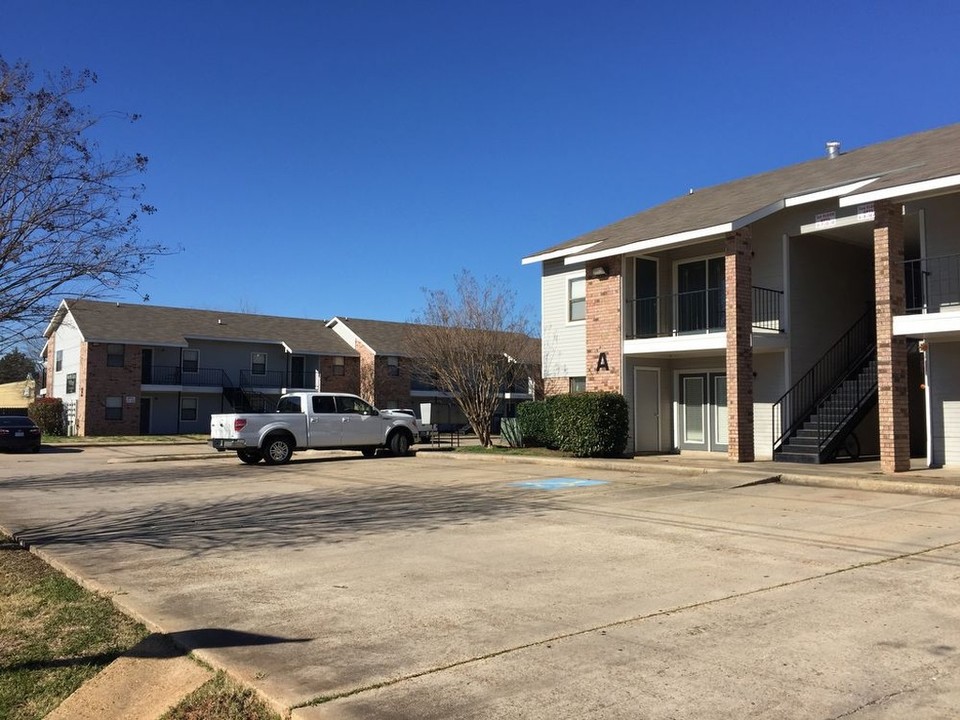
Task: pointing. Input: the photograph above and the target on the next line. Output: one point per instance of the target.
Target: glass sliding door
(700, 296)
(702, 411)
(645, 298)
(693, 411)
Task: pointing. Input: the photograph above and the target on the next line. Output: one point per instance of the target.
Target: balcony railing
(697, 312)
(171, 375)
(932, 285)
(278, 379)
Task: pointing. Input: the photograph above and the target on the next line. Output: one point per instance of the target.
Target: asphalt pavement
(444, 586)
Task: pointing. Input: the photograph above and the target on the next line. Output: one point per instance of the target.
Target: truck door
(324, 426)
(361, 426)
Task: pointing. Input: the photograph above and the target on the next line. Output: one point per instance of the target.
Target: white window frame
(71, 377)
(580, 381)
(196, 362)
(185, 405)
(58, 361)
(254, 363)
(122, 354)
(393, 366)
(571, 299)
(113, 402)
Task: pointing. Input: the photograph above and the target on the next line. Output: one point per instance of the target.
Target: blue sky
(334, 158)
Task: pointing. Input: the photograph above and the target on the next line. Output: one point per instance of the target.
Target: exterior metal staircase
(814, 419)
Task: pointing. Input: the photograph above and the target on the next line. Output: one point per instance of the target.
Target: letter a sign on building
(602, 362)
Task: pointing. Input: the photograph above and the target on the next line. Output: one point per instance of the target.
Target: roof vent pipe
(833, 149)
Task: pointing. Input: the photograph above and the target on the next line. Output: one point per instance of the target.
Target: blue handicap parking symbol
(557, 483)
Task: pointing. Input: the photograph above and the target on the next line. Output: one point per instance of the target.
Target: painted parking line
(558, 483)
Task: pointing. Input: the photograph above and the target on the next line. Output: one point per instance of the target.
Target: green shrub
(536, 423)
(48, 414)
(592, 424)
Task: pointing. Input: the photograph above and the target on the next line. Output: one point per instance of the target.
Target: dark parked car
(19, 433)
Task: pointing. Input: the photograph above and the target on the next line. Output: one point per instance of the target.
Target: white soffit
(916, 188)
(827, 194)
(653, 243)
(556, 253)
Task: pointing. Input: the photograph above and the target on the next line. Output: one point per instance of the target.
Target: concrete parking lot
(442, 587)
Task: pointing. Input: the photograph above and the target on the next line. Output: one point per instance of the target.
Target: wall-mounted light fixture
(599, 271)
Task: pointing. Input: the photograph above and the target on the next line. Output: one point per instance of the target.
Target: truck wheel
(369, 452)
(277, 450)
(399, 443)
(250, 457)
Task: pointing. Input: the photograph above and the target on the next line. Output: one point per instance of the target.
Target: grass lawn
(54, 635)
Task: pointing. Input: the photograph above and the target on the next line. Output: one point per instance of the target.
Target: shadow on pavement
(161, 645)
(321, 515)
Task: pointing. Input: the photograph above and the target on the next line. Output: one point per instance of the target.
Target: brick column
(891, 351)
(604, 333)
(739, 307)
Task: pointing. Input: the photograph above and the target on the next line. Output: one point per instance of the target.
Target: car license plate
(18, 433)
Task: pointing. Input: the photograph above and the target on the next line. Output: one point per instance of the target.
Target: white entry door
(646, 410)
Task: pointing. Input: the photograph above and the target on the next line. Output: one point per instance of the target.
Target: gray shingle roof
(393, 338)
(913, 158)
(153, 325)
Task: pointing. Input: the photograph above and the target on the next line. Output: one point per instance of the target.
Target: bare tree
(68, 215)
(474, 345)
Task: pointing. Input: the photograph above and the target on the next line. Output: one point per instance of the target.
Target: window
(58, 365)
(71, 383)
(114, 408)
(289, 405)
(355, 405)
(190, 361)
(258, 363)
(578, 300)
(393, 366)
(578, 384)
(188, 409)
(114, 355)
(323, 404)
(338, 366)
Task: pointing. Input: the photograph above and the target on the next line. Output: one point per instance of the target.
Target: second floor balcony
(191, 377)
(698, 312)
(932, 285)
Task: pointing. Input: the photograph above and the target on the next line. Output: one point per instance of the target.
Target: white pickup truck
(313, 420)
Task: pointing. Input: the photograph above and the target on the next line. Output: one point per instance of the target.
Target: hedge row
(592, 424)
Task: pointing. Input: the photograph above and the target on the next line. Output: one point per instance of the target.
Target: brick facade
(377, 386)
(891, 351)
(331, 381)
(604, 332)
(556, 386)
(50, 362)
(101, 381)
(739, 361)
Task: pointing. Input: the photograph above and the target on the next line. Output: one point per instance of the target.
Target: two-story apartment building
(141, 369)
(128, 369)
(800, 314)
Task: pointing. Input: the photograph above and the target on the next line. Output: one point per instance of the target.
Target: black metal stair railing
(846, 355)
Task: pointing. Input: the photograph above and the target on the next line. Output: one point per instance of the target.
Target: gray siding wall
(564, 344)
(942, 219)
(945, 402)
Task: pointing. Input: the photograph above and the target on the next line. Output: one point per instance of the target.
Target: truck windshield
(288, 405)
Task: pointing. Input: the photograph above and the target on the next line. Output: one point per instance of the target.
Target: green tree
(16, 366)
(69, 214)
